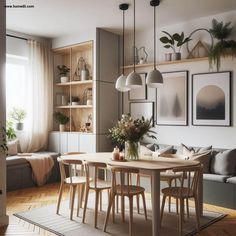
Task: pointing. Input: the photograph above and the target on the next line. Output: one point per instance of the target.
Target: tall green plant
(223, 47)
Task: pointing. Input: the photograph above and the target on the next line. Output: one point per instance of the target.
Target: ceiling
(55, 18)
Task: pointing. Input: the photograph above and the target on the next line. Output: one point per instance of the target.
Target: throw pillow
(224, 163)
(12, 147)
(152, 146)
(145, 151)
(203, 149)
(177, 156)
(204, 158)
(187, 151)
(166, 150)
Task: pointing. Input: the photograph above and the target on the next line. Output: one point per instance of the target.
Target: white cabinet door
(87, 143)
(73, 142)
(54, 142)
(63, 142)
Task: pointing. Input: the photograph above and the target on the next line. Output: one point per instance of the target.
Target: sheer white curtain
(39, 104)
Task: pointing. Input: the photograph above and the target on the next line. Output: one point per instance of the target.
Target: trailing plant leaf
(219, 30)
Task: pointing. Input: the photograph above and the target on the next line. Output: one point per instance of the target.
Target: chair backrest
(72, 165)
(121, 176)
(189, 179)
(92, 171)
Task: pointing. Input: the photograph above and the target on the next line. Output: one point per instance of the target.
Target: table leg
(156, 229)
(200, 193)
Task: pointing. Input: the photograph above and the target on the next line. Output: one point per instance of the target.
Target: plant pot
(64, 79)
(168, 56)
(61, 128)
(176, 56)
(132, 150)
(19, 126)
(84, 75)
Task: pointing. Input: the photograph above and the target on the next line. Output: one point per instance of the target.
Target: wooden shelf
(167, 62)
(75, 83)
(75, 107)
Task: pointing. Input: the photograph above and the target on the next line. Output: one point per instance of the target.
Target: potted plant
(10, 132)
(88, 123)
(18, 115)
(75, 100)
(63, 70)
(174, 41)
(61, 119)
(223, 47)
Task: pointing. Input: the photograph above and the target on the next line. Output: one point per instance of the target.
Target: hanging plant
(223, 47)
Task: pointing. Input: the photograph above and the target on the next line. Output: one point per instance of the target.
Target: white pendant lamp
(121, 81)
(134, 80)
(154, 77)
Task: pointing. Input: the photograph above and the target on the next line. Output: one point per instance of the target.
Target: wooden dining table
(152, 166)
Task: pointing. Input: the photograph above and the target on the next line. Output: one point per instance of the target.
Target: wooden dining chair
(96, 184)
(123, 189)
(188, 188)
(73, 180)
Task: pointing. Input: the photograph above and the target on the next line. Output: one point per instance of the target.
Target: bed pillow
(224, 163)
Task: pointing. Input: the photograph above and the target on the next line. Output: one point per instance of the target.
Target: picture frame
(139, 109)
(172, 99)
(139, 93)
(211, 99)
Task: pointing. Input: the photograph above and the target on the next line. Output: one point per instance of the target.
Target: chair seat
(175, 192)
(100, 185)
(75, 180)
(128, 190)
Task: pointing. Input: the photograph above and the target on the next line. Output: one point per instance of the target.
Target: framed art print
(211, 99)
(172, 99)
(139, 93)
(139, 109)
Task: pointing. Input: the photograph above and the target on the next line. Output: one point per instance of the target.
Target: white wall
(3, 216)
(223, 137)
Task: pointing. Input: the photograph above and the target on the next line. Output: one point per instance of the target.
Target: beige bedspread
(41, 166)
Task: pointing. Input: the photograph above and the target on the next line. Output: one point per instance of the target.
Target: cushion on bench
(216, 178)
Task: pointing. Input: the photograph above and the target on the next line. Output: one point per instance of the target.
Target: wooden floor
(27, 199)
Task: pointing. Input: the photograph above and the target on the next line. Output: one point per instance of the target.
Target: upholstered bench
(19, 172)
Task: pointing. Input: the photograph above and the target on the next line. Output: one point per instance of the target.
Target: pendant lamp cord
(154, 37)
(123, 56)
(134, 37)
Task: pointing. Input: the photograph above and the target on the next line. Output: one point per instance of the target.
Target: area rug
(47, 219)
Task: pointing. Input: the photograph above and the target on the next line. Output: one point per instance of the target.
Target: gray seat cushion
(16, 160)
(231, 180)
(224, 163)
(216, 178)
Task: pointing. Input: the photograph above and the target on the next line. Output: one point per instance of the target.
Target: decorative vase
(62, 128)
(132, 150)
(64, 79)
(168, 56)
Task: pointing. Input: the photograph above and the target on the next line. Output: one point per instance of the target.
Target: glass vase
(132, 150)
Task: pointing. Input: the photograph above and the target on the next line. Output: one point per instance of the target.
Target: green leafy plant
(18, 114)
(223, 47)
(60, 118)
(174, 41)
(129, 129)
(3, 141)
(10, 132)
(63, 70)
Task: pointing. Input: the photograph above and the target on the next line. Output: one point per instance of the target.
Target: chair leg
(177, 206)
(96, 208)
(85, 203)
(181, 216)
(79, 197)
(197, 212)
(169, 197)
(130, 216)
(123, 208)
(138, 184)
(59, 197)
(82, 195)
(72, 202)
(162, 206)
(144, 206)
(111, 200)
(100, 201)
(187, 207)
(117, 204)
